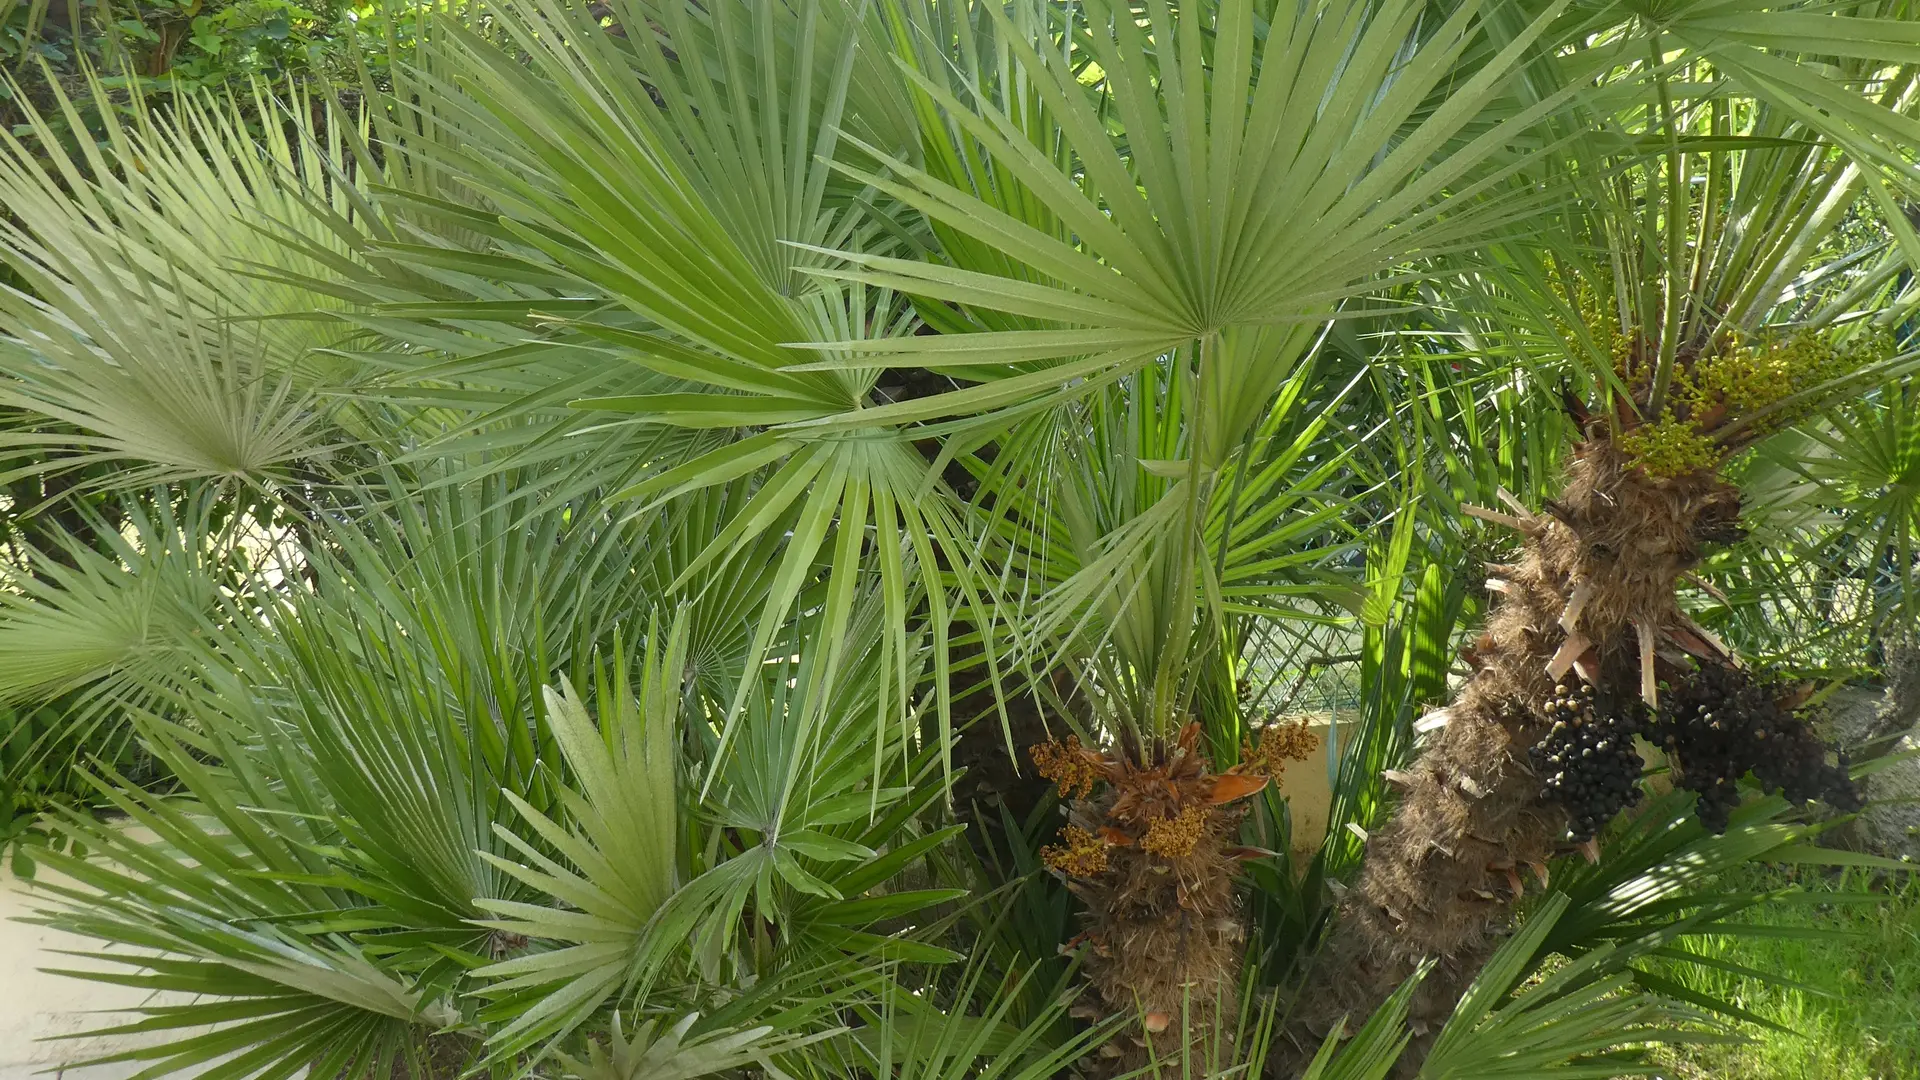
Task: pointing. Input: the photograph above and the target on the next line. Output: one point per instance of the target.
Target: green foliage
(1852, 948)
(38, 746)
(186, 44)
(115, 58)
(164, 47)
(125, 345)
(673, 1056)
(1834, 562)
(586, 454)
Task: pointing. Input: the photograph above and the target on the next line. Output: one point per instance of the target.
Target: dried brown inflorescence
(1152, 855)
(1078, 854)
(1280, 744)
(1593, 594)
(1068, 765)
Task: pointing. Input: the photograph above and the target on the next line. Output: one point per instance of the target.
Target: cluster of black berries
(1720, 723)
(1588, 758)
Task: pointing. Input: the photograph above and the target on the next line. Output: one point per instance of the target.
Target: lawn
(1857, 1014)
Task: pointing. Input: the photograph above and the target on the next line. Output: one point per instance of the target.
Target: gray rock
(1852, 716)
(1890, 825)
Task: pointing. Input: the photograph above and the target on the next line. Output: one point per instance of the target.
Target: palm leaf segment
(165, 326)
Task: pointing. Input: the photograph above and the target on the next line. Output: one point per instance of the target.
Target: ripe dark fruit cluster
(1587, 759)
(1720, 723)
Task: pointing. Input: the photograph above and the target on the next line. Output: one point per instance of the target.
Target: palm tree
(585, 498)
(1700, 297)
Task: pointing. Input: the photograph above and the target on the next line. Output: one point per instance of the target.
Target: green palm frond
(205, 905)
(1569, 994)
(160, 330)
(1376, 1045)
(1565, 1024)
(1656, 884)
(1848, 484)
(638, 892)
(1717, 201)
(1101, 566)
(906, 1033)
(1137, 290)
(623, 844)
(343, 747)
(87, 631)
(80, 615)
(673, 1055)
(1235, 205)
(658, 247)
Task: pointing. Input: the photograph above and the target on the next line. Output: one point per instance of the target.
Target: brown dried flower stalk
(1279, 744)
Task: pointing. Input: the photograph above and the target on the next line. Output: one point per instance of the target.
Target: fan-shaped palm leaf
(161, 329)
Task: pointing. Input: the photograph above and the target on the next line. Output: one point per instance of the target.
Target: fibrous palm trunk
(1591, 598)
(1154, 860)
(1164, 932)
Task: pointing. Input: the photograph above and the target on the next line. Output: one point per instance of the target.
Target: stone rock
(1852, 716)
(1890, 825)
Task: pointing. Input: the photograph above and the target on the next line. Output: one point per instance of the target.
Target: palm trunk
(1593, 594)
(1164, 935)
(988, 776)
(1154, 861)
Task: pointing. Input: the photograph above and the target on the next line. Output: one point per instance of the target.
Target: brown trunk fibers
(1594, 588)
(1153, 858)
(988, 777)
(1165, 938)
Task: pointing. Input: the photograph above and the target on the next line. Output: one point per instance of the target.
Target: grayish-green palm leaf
(103, 629)
(1557, 1026)
(622, 847)
(673, 1055)
(666, 211)
(203, 895)
(1256, 190)
(795, 804)
(162, 327)
(1842, 491)
(73, 617)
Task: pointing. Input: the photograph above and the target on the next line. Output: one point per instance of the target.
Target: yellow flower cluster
(1066, 765)
(1732, 380)
(1081, 855)
(1600, 324)
(1670, 447)
(1170, 838)
(1280, 744)
(1752, 377)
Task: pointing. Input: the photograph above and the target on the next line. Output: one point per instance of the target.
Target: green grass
(1863, 1023)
